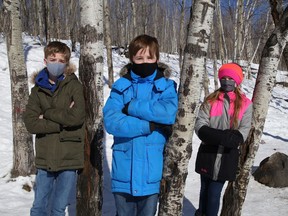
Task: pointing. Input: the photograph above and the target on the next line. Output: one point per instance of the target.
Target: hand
(232, 138)
(72, 104)
(165, 129)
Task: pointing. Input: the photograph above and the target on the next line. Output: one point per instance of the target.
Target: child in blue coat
(139, 113)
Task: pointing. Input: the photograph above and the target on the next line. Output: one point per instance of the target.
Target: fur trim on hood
(70, 69)
(161, 66)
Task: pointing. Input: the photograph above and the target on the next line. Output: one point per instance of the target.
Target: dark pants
(210, 193)
(128, 205)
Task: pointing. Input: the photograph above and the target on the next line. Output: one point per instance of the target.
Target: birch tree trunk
(108, 43)
(214, 57)
(90, 71)
(179, 148)
(235, 193)
(74, 23)
(134, 18)
(47, 17)
(222, 41)
(23, 154)
(239, 37)
(181, 36)
(40, 18)
(276, 12)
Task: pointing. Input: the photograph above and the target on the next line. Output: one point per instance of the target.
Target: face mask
(227, 85)
(56, 69)
(145, 69)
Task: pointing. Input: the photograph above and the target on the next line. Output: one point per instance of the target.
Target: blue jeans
(52, 191)
(128, 205)
(210, 193)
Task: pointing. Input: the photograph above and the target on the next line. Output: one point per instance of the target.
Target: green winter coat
(59, 141)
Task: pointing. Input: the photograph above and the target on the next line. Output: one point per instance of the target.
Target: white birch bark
(23, 154)
(181, 36)
(91, 71)
(108, 43)
(179, 148)
(236, 191)
(239, 38)
(214, 58)
(222, 40)
(134, 18)
(235, 32)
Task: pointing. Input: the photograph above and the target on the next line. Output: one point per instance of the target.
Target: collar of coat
(69, 70)
(160, 80)
(161, 67)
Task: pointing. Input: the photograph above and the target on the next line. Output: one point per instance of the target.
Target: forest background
(240, 28)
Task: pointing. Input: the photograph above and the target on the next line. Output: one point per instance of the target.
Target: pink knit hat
(231, 70)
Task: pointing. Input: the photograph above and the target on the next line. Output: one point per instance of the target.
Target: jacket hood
(161, 66)
(70, 69)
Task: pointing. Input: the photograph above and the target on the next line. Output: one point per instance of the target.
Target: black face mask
(227, 85)
(145, 69)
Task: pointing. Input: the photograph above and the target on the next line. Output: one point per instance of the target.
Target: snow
(260, 199)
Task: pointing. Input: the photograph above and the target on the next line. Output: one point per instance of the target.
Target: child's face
(143, 56)
(56, 58)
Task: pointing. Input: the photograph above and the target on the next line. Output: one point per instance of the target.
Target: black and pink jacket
(220, 162)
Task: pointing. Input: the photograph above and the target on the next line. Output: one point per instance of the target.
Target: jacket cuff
(146, 128)
(47, 113)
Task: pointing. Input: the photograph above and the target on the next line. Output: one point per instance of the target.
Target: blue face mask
(227, 85)
(56, 69)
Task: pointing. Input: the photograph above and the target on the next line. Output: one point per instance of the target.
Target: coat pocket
(76, 135)
(155, 163)
(121, 163)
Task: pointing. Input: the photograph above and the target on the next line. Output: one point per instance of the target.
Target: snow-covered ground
(260, 199)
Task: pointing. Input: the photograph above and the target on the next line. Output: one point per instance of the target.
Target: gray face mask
(56, 69)
(227, 85)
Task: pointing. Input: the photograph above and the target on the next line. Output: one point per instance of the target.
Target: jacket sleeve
(31, 117)
(69, 117)
(246, 122)
(119, 124)
(203, 117)
(163, 110)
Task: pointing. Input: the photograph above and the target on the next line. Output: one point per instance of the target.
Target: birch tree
(214, 57)
(23, 155)
(222, 41)
(134, 18)
(108, 42)
(90, 72)
(276, 12)
(235, 193)
(239, 30)
(181, 32)
(179, 148)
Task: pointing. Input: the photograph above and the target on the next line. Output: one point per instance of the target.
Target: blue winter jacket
(137, 152)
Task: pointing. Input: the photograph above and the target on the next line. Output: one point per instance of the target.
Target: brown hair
(237, 104)
(57, 47)
(142, 42)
